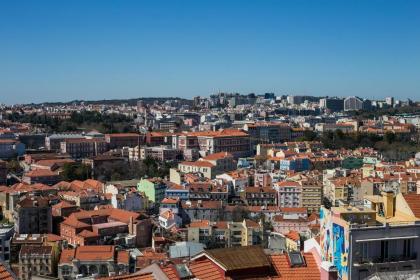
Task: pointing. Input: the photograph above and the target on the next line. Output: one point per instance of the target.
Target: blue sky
(65, 50)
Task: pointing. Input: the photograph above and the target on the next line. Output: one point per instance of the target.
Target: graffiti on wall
(325, 235)
(341, 250)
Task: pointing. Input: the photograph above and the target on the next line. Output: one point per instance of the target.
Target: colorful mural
(325, 237)
(341, 250)
(334, 242)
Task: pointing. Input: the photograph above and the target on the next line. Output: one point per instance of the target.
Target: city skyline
(108, 50)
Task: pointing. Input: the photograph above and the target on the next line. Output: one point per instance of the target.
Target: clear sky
(66, 50)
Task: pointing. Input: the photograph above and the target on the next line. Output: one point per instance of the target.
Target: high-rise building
(353, 103)
(332, 104)
(295, 100)
(32, 215)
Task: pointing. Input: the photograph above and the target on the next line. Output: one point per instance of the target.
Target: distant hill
(131, 101)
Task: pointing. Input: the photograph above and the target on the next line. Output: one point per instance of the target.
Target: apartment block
(381, 236)
(225, 234)
(119, 140)
(83, 148)
(33, 215)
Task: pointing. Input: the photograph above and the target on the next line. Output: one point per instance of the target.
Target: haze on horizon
(91, 50)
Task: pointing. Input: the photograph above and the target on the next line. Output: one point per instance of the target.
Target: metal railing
(390, 259)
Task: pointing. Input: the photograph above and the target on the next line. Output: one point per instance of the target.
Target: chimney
(388, 201)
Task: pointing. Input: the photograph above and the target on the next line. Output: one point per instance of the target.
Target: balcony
(381, 260)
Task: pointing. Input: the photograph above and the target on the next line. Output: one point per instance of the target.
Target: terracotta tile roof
(149, 257)
(199, 224)
(219, 133)
(206, 270)
(54, 238)
(94, 185)
(259, 190)
(8, 141)
(199, 163)
(122, 135)
(313, 217)
(173, 186)
(413, 201)
(168, 214)
(112, 213)
(67, 255)
(288, 184)
(87, 233)
(51, 162)
(75, 223)
(281, 265)
(5, 274)
(221, 224)
(168, 200)
(170, 272)
(62, 185)
(205, 204)
(35, 250)
(62, 204)
(95, 253)
(293, 209)
(41, 173)
(24, 187)
(280, 218)
(293, 235)
(134, 276)
(217, 156)
(251, 224)
(123, 257)
(33, 201)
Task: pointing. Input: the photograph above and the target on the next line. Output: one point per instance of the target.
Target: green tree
(390, 137)
(13, 166)
(76, 171)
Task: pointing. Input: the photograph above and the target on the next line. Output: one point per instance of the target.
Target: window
(364, 250)
(407, 248)
(384, 249)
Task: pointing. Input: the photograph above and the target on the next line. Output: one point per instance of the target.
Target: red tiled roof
(114, 213)
(199, 224)
(217, 156)
(413, 201)
(51, 162)
(170, 272)
(259, 190)
(251, 224)
(35, 250)
(288, 184)
(123, 135)
(95, 253)
(123, 257)
(67, 255)
(168, 200)
(199, 163)
(219, 133)
(134, 276)
(206, 270)
(293, 235)
(5, 274)
(54, 238)
(284, 270)
(63, 204)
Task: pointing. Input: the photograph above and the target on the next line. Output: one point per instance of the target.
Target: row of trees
(114, 171)
(105, 123)
(392, 146)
